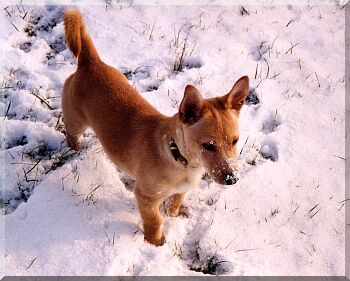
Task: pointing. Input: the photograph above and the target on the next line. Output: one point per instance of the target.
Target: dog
(166, 155)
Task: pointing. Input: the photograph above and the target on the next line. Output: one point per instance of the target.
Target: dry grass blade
(274, 212)
(246, 250)
(134, 233)
(26, 178)
(308, 251)
(229, 244)
(340, 157)
(315, 214)
(307, 77)
(319, 85)
(33, 166)
(133, 29)
(25, 14)
(313, 208)
(10, 154)
(31, 263)
(268, 69)
(335, 230)
(150, 35)
(109, 240)
(7, 110)
(274, 76)
(289, 22)
(58, 120)
(296, 209)
(92, 191)
(341, 206)
(243, 11)
(5, 9)
(42, 100)
(194, 46)
(14, 26)
(291, 48)
(244, 145)
(273, 42)
(256, 71)
(178, 65)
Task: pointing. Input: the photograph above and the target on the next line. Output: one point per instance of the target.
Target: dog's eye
(209, 146)
(234, 142)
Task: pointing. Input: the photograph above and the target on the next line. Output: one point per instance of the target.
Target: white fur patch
(193, 177)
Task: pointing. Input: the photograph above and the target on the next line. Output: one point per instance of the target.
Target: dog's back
(97, 92)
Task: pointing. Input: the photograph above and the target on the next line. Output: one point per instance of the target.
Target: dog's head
(210, 129)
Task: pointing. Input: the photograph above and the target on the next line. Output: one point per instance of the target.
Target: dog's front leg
(152, 219)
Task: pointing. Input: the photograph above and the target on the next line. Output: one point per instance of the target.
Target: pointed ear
(236, 97)
(191, 107)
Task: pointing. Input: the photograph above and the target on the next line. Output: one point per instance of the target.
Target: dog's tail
(77, 38)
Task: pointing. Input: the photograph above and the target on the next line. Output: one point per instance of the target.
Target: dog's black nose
(230, 179)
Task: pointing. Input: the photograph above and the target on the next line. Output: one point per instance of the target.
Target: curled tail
(77, 38)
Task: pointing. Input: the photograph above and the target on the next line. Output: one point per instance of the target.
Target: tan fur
(136, 136)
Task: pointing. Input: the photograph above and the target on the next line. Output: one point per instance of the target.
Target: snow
(70, 213)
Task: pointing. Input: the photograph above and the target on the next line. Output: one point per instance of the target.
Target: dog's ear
(236, 97)
(191, 107)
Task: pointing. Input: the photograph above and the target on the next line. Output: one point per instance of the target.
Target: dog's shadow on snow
(53, 218)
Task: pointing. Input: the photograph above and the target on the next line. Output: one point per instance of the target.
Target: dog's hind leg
(152, 219)
(174, 205)
(73, 141)
(75, 126)
(74, 120)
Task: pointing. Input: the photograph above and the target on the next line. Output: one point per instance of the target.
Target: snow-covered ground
(70, 213)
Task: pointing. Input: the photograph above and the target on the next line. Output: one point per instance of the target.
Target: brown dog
(166, 155)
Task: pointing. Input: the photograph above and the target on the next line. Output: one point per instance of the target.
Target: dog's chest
(190, 181)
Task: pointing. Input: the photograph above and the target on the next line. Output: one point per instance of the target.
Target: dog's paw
(184, 212)
(76, 147)
(73, 142)
(156, 241)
